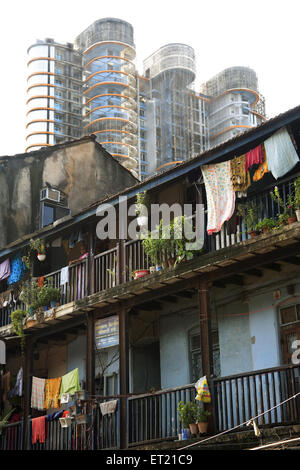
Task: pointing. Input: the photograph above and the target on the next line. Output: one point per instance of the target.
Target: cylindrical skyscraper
(109, 88)
(53, 94)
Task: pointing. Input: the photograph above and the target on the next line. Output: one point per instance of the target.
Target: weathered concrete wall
(82, 170)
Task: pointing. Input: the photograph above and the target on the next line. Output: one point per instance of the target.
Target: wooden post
(206, 344)
(205, 328)
(124, 374)
(27, 379)
(90, 354)
(91, 264)
(121, 262)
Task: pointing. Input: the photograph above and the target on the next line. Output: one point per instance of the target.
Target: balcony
(269, 395)
(113, 268)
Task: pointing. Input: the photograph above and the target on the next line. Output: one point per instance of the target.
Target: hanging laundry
(52, 389)
(75, 238)
(261, 170)
(256, 156)
(17, 269)
(54, 416)
(17, 390)
(239, 176)
(64, 275)
(38, 393)
(70, 382)
(39, 430)
(108, 407)
(281, 153)
(4, 270)
(219, 193)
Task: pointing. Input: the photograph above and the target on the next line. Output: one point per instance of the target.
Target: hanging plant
(38, 245)
(17, 318)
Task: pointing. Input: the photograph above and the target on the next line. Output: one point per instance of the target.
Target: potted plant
(29, 295)
(38, 245)
(249, 213)
(17, 319)
(266, 225)
(202, 420)
(287, 216)
(297, 198)
(188, 413)
(54, 296)
(153, 249)
(140, 273)
(142, 207)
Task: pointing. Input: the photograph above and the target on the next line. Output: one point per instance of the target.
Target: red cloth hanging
(38, 430)
(256, 156)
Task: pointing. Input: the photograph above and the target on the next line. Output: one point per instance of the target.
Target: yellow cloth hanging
(52, 389)
(261, 170)
(239, 177)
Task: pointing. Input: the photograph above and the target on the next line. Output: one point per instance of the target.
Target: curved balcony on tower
(110, 88)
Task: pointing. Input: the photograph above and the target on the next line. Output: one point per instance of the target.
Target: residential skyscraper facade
(54, 94)
(149, 122)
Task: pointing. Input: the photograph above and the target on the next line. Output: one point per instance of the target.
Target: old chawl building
(135, 346)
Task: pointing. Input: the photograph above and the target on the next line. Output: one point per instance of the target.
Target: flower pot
(193, 428)
(185, 434)
(158, 268)
(45, 308)
(253, 234)
(53, 303)
(141, 273)
(298, 214)
(291, 220)
(202, 427)
(152, 269)
(41, 257)
(265, 230)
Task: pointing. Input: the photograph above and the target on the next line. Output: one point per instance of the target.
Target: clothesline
(226, 181)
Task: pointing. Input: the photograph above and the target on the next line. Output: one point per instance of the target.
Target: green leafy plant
(47, 294)
(187, 413)
(142, 202)
(37, 245)
(288, 208)
(249, 212)
(29, 294)
(267, 224)
(202, 416)
(297, 193)
(4, 420)
(17, 318)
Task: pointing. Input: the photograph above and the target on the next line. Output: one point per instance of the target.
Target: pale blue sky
(259, 34)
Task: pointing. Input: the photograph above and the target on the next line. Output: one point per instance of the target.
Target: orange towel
(52, 389)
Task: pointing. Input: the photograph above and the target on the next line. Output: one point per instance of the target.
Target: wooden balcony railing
(266, 394)
(240, 397)
(117, 265)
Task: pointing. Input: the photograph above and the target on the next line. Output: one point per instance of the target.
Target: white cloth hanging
(281, 153)
(108, 407)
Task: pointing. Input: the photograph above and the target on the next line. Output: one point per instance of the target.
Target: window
(290, 314)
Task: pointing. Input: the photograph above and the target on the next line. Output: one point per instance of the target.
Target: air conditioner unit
(49, 194)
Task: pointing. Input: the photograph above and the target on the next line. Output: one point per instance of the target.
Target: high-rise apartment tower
(150, 121)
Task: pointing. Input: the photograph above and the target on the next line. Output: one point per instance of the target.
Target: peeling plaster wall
(83, 171)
